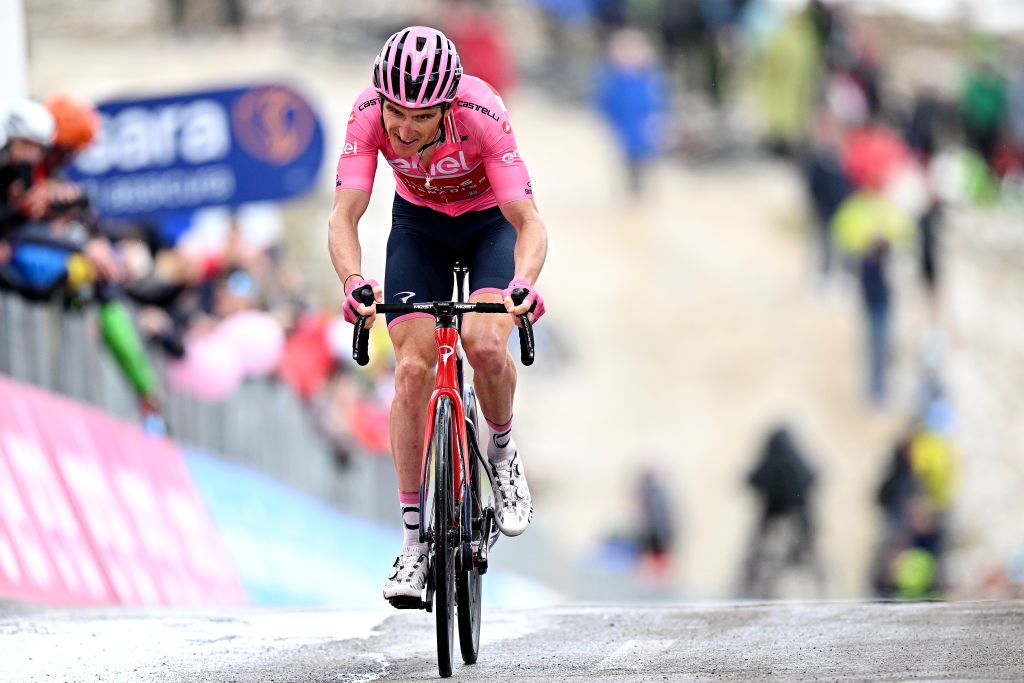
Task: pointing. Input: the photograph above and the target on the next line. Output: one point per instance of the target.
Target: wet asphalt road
(821, 641)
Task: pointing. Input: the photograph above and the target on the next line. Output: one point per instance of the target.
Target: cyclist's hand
(353, 308)
(534, 302)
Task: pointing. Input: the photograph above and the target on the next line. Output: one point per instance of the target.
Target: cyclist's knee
(486, 352)
(413, 375)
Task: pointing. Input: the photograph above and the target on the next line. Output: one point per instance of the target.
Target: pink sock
(410, 502)
(499, 428)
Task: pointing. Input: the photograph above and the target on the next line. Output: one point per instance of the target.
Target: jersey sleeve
(505, 168)
(358, 161)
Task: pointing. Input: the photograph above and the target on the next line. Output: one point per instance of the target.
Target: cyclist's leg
(415, 355)
(416, 270)
(485, 339)
(485, 336)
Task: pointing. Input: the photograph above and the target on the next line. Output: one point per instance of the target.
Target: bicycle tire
(468, 580)
(445, 536)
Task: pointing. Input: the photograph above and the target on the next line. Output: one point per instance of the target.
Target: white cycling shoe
(404, 586)
(513, 506)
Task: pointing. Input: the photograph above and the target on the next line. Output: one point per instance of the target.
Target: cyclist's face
(410, 129)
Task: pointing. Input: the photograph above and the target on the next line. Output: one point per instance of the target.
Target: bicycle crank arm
(484, 549)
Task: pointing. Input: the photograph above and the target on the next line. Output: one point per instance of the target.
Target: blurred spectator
(983, 100)
(482, 44)
(873, 154)
(657, 529)
(915, 496)
(232, 13)
(308, 361)
(566, 28)
(28, 129)
(790, 73)
(632, 95)
(611, 16)
(833, 32)
(649, 538)
(924, 126)
(699, 37)
(924, 131)
(54, 243)
(719, 19)
(681, 30)
(826, 180)
(866, 227)
(1015, 117)
(866, 68)
(784, 535)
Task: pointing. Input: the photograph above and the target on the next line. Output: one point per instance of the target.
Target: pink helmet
(418, 67)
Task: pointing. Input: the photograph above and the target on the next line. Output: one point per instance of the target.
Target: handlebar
(361, 335)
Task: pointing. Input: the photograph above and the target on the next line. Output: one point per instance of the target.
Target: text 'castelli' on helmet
(418, 67)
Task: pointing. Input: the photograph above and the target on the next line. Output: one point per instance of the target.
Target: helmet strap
(436, 141)
(445, 106)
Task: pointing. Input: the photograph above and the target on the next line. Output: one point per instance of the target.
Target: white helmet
(28, 120)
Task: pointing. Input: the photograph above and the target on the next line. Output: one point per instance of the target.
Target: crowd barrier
(263, 426)
(95, 512)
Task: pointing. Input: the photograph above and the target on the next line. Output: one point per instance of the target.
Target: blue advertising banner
(207, 148)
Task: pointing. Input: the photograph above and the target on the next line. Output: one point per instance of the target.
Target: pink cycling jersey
(476, 166)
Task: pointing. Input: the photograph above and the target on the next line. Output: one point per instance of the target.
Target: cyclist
(463, 193)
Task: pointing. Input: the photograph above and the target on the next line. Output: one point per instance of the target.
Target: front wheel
(445, 533)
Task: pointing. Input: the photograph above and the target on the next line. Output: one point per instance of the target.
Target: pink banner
(114, 510)
(54, 551)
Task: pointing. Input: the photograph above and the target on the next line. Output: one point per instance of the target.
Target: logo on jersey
(446, 166)
(367, 103)
(406, 297)
(350, 148)
(510, 157)
(446, 353)
(351, 118)
(483, 110)
(506, 126)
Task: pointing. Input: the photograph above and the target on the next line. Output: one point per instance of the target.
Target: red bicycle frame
(447, 384)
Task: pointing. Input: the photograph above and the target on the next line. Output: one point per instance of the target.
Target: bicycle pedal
(406, 602)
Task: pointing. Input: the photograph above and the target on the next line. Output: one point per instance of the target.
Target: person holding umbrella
(866, 227)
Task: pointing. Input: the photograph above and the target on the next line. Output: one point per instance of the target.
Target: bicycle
(457, 527)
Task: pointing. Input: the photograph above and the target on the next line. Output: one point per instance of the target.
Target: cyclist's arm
(531, 238)
(342, 231)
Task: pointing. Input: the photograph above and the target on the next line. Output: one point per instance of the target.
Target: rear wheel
(468, 580)
(445, 536)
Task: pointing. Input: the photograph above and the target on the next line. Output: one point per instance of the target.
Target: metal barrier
(264, 425)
